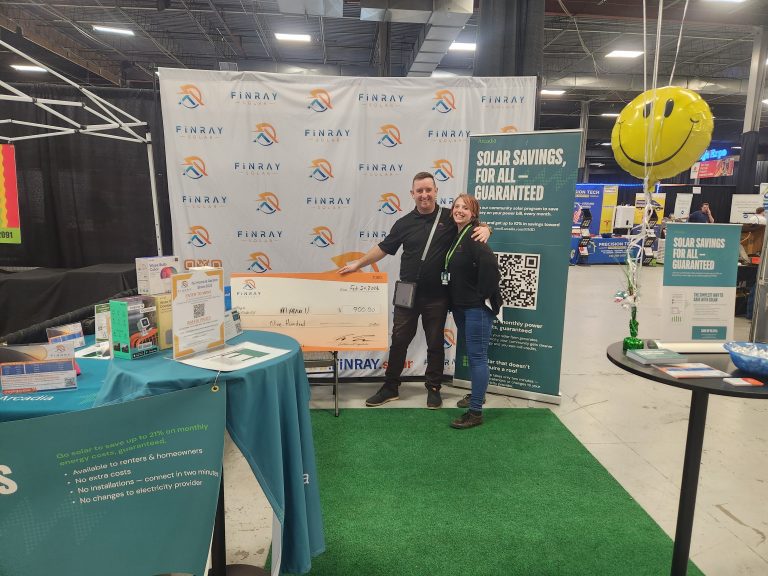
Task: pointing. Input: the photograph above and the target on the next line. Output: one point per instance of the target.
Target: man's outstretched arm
(373, 255)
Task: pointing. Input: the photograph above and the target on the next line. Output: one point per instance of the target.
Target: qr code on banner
(198, 310)
(519, 279)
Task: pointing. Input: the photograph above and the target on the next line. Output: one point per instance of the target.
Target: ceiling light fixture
(27, 68)
(598, 164)
(552, 92)
(610, 114)
(293, 37)
(605, 143)
(467, 46)
(765, 101)
(123, 31)
(624, 54)
(735, 147)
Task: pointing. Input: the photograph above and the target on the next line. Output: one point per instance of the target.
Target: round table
(268, 419)
(700, 389)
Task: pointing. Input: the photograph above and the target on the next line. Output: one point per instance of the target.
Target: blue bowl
(747, 362)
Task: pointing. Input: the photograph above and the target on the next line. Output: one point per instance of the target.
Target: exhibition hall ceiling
(351, 38)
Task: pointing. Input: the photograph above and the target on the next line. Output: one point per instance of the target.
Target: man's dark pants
(433, 311)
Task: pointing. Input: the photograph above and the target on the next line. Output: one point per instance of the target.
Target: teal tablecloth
(267, 417)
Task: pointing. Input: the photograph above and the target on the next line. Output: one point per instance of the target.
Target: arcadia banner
(700, 268)
(125, 490)
(526, 184)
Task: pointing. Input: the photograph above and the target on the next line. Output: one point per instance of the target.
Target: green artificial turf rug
(403, 494)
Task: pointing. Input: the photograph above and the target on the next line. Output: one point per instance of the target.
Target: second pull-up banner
(525, 183)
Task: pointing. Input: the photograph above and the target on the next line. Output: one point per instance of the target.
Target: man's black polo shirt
(411, 232)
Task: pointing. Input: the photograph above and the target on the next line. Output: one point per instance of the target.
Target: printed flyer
(700, 267)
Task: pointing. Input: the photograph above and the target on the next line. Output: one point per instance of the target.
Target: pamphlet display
(232, 324)
(102, 326)
(73, 332)
(134, 326)
(164, 321)
(153, 274)
(198, 311)
(37, 367)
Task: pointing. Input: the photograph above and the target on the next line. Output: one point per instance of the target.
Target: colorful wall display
(10, 225)
(291, 173)
(526, 184)
(700, 267)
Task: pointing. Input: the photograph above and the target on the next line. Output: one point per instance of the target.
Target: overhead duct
(444, 20)
(324, 8)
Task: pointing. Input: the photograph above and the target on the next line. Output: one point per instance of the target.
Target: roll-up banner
(526, 185)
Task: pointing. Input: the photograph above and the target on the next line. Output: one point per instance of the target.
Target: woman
(472, 274)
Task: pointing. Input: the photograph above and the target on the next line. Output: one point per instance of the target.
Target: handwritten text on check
(323, 311)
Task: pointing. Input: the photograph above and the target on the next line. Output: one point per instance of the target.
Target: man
(758, 217)
(411, 232)
(702, 215)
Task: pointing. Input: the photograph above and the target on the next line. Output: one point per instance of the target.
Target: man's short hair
(421, 176)
(759, 210)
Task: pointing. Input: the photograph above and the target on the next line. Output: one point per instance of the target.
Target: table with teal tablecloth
(267, 418)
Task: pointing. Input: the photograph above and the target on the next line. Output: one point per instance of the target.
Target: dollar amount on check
(323, 311)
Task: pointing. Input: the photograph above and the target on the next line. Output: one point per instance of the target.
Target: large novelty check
(323, 311)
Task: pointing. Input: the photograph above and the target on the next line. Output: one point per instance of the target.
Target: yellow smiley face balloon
(680, 131)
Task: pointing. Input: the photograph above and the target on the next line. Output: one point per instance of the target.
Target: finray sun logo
(449, 338)
(443, 170)
(320, 100)
(321, 170)
(259, 263)
(268, 203)
(390, 203)
(508, 128)
(265, 134)
(390, 136)
(191, 97)
(343, 259)
(445, 101)
(194, 167)
(249, 284)
(322, 237)
(199, 236)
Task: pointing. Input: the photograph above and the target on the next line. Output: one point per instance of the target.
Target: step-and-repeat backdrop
(289, 173)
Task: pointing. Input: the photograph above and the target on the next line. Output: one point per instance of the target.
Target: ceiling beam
(16, 19)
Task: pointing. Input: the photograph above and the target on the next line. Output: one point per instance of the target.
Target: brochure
(656, 356)
(235, 357)
(73, 332)
(692, 370)
(37, 367)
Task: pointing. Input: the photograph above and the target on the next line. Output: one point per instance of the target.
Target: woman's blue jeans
(474, 326)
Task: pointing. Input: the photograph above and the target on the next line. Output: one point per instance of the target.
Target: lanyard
(455, 245)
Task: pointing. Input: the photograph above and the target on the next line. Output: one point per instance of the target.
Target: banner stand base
(507, 391)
